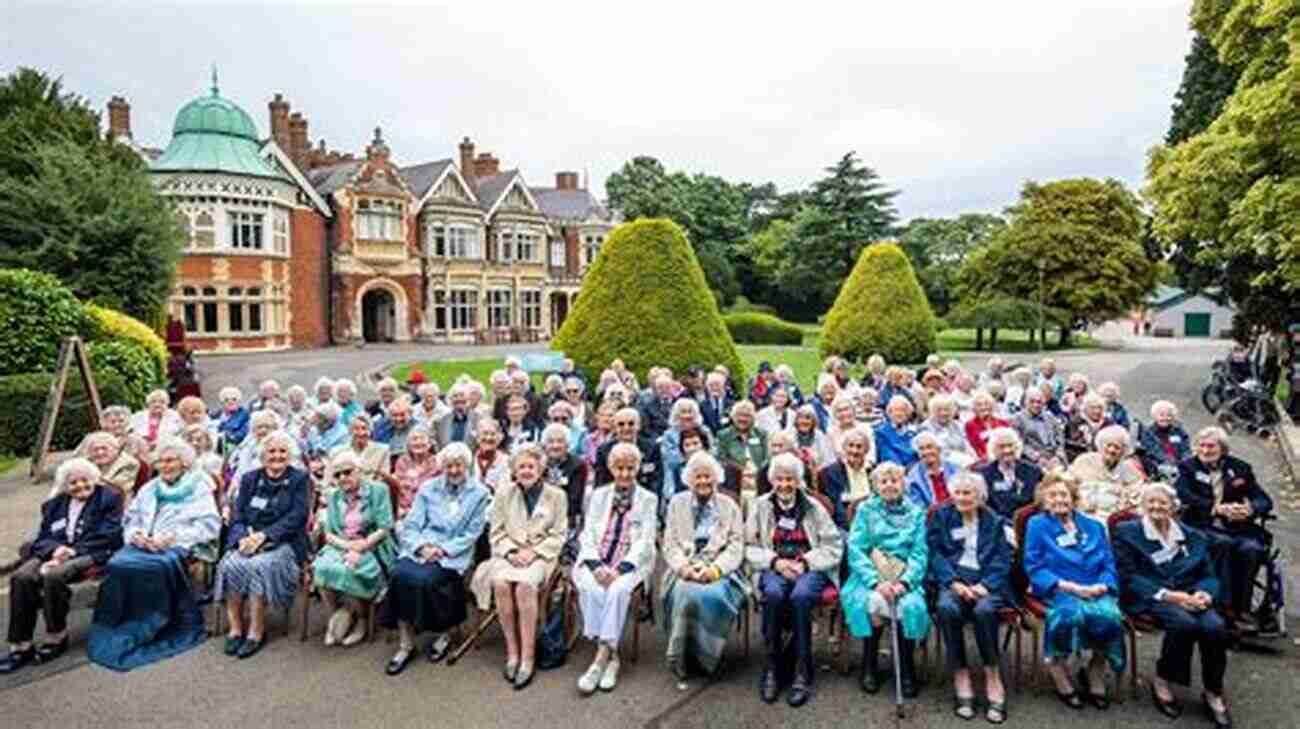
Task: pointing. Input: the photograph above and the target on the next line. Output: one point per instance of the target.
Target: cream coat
(641, 550)
(511, 529)
(726, 547)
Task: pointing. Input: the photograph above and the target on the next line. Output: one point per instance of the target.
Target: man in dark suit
(460, 425)
(715, 408)
(656, 406)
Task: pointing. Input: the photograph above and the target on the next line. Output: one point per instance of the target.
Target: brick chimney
(119, 118)
(280, 123)
(467, 159)
(566, 180)
(485, 165)
(378, 150)
(298, 143)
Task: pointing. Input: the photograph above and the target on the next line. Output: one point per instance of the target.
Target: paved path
(307, 685)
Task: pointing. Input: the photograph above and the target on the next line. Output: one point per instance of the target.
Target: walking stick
(898, 668)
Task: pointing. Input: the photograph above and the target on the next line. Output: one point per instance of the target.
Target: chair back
(1019, 579)
(932, 510)
(1118, 518)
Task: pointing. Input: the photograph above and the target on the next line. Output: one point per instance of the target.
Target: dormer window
(379, 220)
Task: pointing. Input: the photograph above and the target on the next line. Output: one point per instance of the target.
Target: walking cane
(898, 668)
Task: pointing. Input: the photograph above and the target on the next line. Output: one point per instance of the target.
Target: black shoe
(907, 668)
(1172, 708)
(435, 652)
(1102, 702)
(869, 678)
(768, 688)
(1071, 700)
(47, 652)
(16, 660)
(800, 691)
(250, 648)
(399, 662)
(963, 707)
(524, 676)
(232, 646)
(1221, 720)
(997, 712)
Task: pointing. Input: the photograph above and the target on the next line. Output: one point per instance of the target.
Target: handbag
(889, 568)
(552, 648)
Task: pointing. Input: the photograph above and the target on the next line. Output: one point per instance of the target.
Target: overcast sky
(955, 103)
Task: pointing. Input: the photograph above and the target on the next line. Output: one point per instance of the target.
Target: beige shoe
(338, 626)
(609, 679)
(357, 634)
(589, 680)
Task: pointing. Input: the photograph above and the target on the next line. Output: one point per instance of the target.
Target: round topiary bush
(36, 313)
(130, 363)
(882, 309)
(644, 300)
(111, 326)
(755, 328)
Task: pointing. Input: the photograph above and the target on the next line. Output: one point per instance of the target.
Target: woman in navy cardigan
(970, 562)
(1166, 575)
(1071, 569)
(81, 527)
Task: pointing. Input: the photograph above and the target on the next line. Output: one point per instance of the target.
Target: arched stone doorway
(378, 316)
(559, 310)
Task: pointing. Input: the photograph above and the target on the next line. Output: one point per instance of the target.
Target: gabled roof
(1165, 297)
(492, 190)
(570, 205)
(420, 178)
(270, 147)
(330, 178)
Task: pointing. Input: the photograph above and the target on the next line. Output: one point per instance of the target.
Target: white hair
(387, 382)
(787, 463)
(924, 438)
(227, 393)
(825, 379)
(843, 400)
(329, 410)
(1112, 434)
(345, 458)
(272, 384)
(180, 448)
(265, 416)
(715, 377)
(159, 396)
(556, 431)
(278, 437)
(456, 451)
(784, 436)
(72, 468)
(1157, 487)
(943, 402)
(982, 396)
(1216, 433)
(900, 400)
(429, 390)
(120, 411)
(1092, 399)
(683, 408)
(629, 412)
(100, 436)
(324, 383)
(742, 406)
(974, 481)
(295, 390)
(702, 460)
(361, 417)
(1161, 406)
(886, 468)
(1108, 387)
(344, 383)
(997, 436)
(622, 450)
(859, 433)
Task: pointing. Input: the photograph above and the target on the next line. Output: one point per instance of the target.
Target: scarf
(618, 537)
(181, 490)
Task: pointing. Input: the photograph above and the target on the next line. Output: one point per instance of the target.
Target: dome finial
(214, 80)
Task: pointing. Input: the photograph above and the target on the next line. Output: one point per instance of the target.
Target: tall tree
(938, 247)
(850, 209)
(1207, 84)
(642, 188)
(1074, 245)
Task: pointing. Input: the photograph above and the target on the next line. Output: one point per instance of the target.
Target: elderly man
(388, 390)
(1040, 432)
(394, 427)
(656, 406)
(627, 429)
(461, 424)
(715, 408)
(848, 480)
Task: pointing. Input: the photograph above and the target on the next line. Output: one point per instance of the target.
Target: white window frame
(530, 308)
(378, 219)
(246, 230)
(500, 308)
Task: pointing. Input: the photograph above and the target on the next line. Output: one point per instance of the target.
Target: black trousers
(30, 592)
(1240, 556)
(1184, 631)
(954, 613)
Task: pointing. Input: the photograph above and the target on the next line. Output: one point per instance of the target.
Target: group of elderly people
(961, 500)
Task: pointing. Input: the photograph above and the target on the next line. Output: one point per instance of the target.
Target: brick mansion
(290, 244)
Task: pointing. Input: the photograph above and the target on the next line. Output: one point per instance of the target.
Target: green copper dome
(212, 134)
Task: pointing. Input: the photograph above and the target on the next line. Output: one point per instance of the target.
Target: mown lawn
(7, 462)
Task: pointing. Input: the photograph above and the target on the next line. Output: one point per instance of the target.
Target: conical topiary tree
(644, 300)
(880, 309)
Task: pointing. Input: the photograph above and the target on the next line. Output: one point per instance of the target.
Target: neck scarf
(180, 490)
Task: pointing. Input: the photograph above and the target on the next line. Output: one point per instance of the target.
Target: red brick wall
(307, 279)
(346, 287)
(570, 250)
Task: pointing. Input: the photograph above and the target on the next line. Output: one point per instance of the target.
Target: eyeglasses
(560, 419)
(343, 471)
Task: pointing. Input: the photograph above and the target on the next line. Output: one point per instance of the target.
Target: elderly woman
(436, 545)
(685, 415)
(564, 471)
(970, 563)
(1164, 444)
(432, 408)
(1088, 420)
(233, 420)
(1115, 410)
(328, 431)
(1019, 382)
(1071, 568)
(413, 468)
(838, 367)
(823, 403)
(1220, 496)
(528, 524)
(1108, 479)
(814, 445)
(1166, 574)
(157, 420)
(894, 436)
(518, 427)
(170, 516)
(1041, 433)
(1012, 480)
(948, 431)
(929, 480)
(247, 457)
(1076, 390)
(875, 374)
(794, 548)
(345, 394)
(358, 552)
(206, 459)
(116, 419)
(983, 422)
(778, 415)
(690, 442)
(703, 587)
(844, 418)
(370, 454)
(602, 432)
(297, 413)
(616, 553)
(322, 392)
(742, 448)
(266, 544)
(887, 565)
(963, 394)
(490, 460)
(848, 480)
(117, 468)
(192, 411)
(80, 528)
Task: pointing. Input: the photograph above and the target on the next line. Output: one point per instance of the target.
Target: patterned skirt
(364, 581)
(698, 618)
(272, 576)
(1074, 625)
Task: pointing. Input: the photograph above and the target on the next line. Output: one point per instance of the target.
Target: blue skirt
(146, 610)
(1074, 625)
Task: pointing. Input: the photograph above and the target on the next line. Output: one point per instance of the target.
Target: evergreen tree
(1207, 84)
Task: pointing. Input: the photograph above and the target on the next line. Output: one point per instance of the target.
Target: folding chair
(557, 580)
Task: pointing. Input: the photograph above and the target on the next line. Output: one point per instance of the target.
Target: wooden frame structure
(70, 348)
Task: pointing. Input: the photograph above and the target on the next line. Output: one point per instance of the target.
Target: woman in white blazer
(616, 552)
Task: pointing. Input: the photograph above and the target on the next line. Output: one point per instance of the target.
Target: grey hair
(344, 383)
(943, 402)
(742, 406)
(982, 396)
(683, 408)
(1112, 434)
(806, 411)
(295, 389)
(345, 457)
(422, 431)
(120, 411)
(201, 429)
(1162, 405)
(787, 463)
(265, 416)
(1215, 432)
(884, 469)
(75, 467)
(973, 480)
(625, 412)
(715, 377)
(489, 423)
(702, 459)
(1091, 399)
(456, 451)
(843, 400)
(157, 395)
(621, 450)
(226, 393)
(1106, 387)
(384, 383)
(324, 382)
(281, 437)
(1006, 435)
(900, 400)
(399, 402)
(1159, 487)
(361, 416)
(526, 450)
(183, 451)
(785, 436)
(555, 430)
(329, 410)
(857, 432)
(101, 436)
(429, 389)
(825, 379)
(925, 437)
(559, 406)
(269, 383)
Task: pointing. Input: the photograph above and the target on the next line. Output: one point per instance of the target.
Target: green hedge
(24, 399)
(114, 326)
(756, 328)
(36, 313)
(881, 309)
(129, 362)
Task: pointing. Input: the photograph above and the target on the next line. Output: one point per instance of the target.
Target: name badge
(647, 468)
(787, 523)
(960, 533)
(1066, 540)
(453, 508)
(258, 502)
(753, 440)
(1203, 477)
(60, 524)
(1175, 439)
(1001, 485)
(1164, 555)
(724, 420)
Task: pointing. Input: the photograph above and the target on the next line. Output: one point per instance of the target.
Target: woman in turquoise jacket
(887, 564)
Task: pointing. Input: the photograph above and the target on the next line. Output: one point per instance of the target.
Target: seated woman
(266, 544)
(948, 431)
(778, 414)
(689, 442)
(813, 445)
(246, 457)
(192, 411)
(157, 421)
(1164, 444)
(984, 421)
(492, 462)
(205, 458)
(616, 552)
(1076, 391)
(887, 565)
(1166, 574)
(528, 524)
(116, 419)
(929, 480)
(742, 449)
(1115, 410)
(1083, 426)
(566, 472)
(970, 564)
(1012, 480)
(232, 422)
(794, 547)
(117, 468)
(1108, 479)
(371, 454)
(168, 519)
(80, 528)
(358, 551)
(894, 436)
(436, 545)
(843, 421)
(519, 428)
(414, 468)
(703, 588)
(1072, 570)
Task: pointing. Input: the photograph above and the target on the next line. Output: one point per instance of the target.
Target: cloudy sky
(955, 103)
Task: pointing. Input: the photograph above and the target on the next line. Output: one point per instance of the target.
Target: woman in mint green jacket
(887, 557)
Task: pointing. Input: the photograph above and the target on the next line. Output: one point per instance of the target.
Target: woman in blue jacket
(1071, 569)
(970, 562)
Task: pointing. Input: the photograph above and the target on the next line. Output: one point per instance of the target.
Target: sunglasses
(560, 419)
(344, 472)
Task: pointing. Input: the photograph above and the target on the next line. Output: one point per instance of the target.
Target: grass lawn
(7, 462)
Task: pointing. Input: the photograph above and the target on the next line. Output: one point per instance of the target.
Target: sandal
(1101, 701)
(997, 712)
(964, 707)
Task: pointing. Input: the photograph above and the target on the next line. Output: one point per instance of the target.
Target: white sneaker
(589, 680)
(338, 626)
(357, 634)
(610, 678)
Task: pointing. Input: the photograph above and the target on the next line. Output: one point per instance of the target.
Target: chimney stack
(485, 165)
(378, 150)
(280, 124)
(119, 118)
(467, 159)
(566, 180)
(298, 144)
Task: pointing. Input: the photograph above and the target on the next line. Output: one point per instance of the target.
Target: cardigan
(97, 533)
(992, 551)
(277, 511)
(451, 523)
